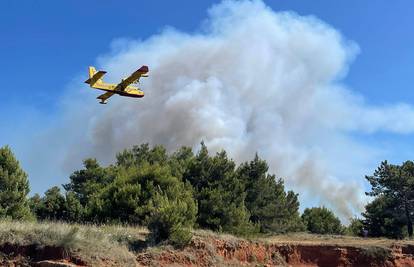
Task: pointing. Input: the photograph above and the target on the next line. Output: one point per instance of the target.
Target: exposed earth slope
(57, 244)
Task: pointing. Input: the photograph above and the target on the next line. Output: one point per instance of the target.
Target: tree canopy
(173, 192)
(320, 220)
(392, 187)
(176, 191)
(14, 187)
(266, 194)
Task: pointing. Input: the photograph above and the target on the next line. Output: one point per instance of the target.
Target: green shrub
(172, 217)
(180, 237)
(355, 227)
(321, 221)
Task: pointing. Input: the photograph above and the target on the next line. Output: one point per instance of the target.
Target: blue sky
(45, 45)
(51, 41)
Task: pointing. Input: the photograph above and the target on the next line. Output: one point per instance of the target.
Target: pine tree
(384, 217)
(52, 205)
(128, 197)
(180, 160)
(14, 187)
(355, 227)
(140, 154)
(320, 220)
(74, 211)
(268, 203)
(119, 201)
(172, 216)
(35, 203)
(394, 183)
(88, 181)
(219, 192)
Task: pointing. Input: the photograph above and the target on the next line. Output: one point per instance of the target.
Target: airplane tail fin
(92, 71)
(94, 76)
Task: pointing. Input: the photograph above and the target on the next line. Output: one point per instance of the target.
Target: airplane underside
(123, 93)
(128, 94)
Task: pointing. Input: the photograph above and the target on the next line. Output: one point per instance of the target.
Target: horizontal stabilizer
(104, 97)
(95, 77)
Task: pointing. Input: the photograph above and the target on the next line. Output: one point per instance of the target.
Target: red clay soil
(30, 255)
(216, 252)
(211, 251)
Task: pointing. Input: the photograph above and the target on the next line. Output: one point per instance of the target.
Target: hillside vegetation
(172, 193)
(89, 244)
(62, 244)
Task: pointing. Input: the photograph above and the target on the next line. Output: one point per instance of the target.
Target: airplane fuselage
(130, 91)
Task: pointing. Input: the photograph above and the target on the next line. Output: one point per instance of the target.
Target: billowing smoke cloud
(251, 80)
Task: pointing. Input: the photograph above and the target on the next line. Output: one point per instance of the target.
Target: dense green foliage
(355, 227)
(219, 192)
(383, 218)
(321, 220)
(52, 205)
(55, 206)
(84, 183)
(172, 217)
(14, 187)
(171, 193)
(264, 195)
(390, 213)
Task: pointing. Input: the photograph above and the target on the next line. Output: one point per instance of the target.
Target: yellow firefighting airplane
(123, 88)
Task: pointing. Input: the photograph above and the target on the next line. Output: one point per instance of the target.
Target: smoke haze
(250, 80)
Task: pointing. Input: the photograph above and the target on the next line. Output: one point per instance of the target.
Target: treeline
(172, 193)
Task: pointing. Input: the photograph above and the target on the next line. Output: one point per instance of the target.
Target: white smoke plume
(250, 80)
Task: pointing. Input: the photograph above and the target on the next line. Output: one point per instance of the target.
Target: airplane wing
(141, 72)
(105, 96)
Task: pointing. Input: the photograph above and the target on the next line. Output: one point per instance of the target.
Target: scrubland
(118, 245)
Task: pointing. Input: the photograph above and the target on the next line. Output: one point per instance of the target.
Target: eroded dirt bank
(217, 252)
(223, 250)
(35, 255)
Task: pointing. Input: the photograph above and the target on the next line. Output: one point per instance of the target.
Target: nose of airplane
(144, 69)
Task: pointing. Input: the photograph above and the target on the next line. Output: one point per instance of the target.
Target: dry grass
(312, 239)
(120, 244)
(309, 239)
(90, 242)
(216, 235)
